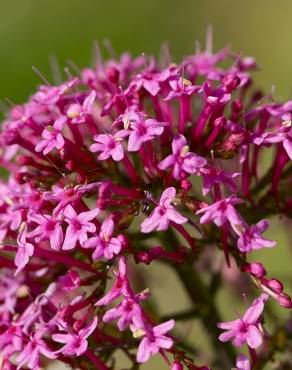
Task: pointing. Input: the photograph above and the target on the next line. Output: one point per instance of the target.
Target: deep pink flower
(78, 226)
(49, 229)
(75, 344)
(30, 355)
(250, 237)
(180, 88)
(109, 145)
(141, 129)
(213, 176)
(182, 161)
(246, 329)
(52, 137)
(120, 287)
(24, 251)
(79, 113)
(164, 213)
(104, 244)
(221, 211)
(154, 341)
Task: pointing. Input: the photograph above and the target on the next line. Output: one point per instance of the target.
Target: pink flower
(109, 145)
(52, 137)
(180, 88)
(79, 113)
(75, 344)
(221, 211)
(120, 287)
(251, 238)
(30, 355)
(242, 363)
(163, 214)
(213, 176)
(105, 245)
(79, 226)
(154, 341)
(141, 130)
(182, 161)
(49, 229)
(24, 251)
(246, 329)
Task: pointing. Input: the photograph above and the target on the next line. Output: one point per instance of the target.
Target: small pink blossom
(75, 344)
(52, 137)
(79, 113)
(246, 329)
(242, 363)
(78, 226)
(24, 251)
(182, 161)
(163, 214)
(104, 244)
(109, 145)
(154, 341)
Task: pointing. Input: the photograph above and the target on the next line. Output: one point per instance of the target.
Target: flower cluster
(117, 157)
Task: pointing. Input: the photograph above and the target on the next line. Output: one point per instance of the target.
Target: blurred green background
(33, 30)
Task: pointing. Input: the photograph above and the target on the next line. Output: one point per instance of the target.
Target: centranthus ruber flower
(163, 214)
(75, 343)
(124, 165)
(247, 328)
(182, 162)
(109, 146)
(155, 340)
(104, 244)
(49, 229)
(78, 226)
(35, 347)
(52, 137)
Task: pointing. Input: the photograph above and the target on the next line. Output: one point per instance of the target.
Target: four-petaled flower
(163, 214)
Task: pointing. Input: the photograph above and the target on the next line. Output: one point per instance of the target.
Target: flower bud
(177, 366)
(255, 268)
(284, 300)
(275, 285)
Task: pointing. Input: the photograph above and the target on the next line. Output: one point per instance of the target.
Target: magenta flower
(163, 214)
(182, 161)
(75, 344)
(78, 226)
(247, 328)
(221, 211)
(250, 237)
(120, 287)
(154, 341)
(30, 355)
(79, 113)
(141, 130)
(52, 137)
(24, 251)
(242, 363)
(125, 312)
(109, 145)
(213, 176)
(283, 135)
(49, 229)
(105, 245)
(181, 88)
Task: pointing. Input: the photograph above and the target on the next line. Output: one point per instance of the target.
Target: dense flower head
(137, 161)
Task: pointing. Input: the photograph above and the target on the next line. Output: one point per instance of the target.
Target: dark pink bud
(113, 74)
(231, 82)
(275, 285)
(24, 160)
(177, 366)
(70, 166)
(186, 185)
(284, 300)
(255, 268)
(220, 122)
